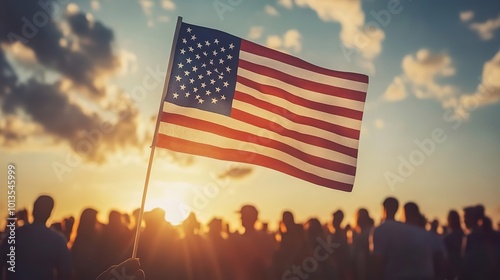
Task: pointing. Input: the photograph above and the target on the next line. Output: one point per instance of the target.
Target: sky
(93, 71)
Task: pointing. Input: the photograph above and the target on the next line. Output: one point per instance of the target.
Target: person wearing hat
(253, 249)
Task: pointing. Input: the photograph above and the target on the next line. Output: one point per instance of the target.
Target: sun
(175, 210)
(171, 197)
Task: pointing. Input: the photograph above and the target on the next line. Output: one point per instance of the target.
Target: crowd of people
(408, 250)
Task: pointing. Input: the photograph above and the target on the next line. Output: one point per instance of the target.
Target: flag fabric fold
(231, 99)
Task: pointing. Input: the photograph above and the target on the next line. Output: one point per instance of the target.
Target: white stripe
(302, 93)
(303, 73)
(251, 129)
(290, 125)
(301, 110)
(228, 143)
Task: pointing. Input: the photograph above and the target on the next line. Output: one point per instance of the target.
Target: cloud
(466, 16)
(128, 62)
(168, 5)
(286, 3)
(274, 42)
(15, 130)
(236, 172)
(487, 92)
(486, 29)
(396, 90)
(95, 5)
(422, 73)
(72, 9)
(255, 32)
(270, 10)
(75, 107)
(291, 40)
(147, 6)
(20, 53)
(367, 40)
(425, 66)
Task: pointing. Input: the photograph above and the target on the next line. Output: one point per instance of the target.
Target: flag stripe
(258, 132)
(316, 140)
(273, 93)
(344, 136)
(202, 137)
(269, 73)
(184, 146)
(300, 92)
(293, 61)
(218, 129)
(336, 124)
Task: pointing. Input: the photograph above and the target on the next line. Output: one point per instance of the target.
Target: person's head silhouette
(363, 219)
(412, 214)
(454, 220)
(391, 206)
(42, 208)
(249, 215)
(288, 219)
(471, 217)
(115, 218)
(215, 227)
(314, 229)
(338, 217)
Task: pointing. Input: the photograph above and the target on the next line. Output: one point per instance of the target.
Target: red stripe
(306, 138)
(207, 126)
(283, 94)
(288, 59)
(303, 83)
(184, 146)
(330, 127)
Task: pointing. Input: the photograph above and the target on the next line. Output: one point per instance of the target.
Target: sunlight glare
(171, 197)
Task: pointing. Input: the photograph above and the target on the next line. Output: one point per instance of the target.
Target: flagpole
(153, 145)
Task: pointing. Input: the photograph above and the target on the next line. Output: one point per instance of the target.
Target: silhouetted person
(361, 245)
(116, 241)
(41, 253)
(68, 224)
(434, 226)
(430, 254)
(193, 250)
(217, 251)
(291, 249)
(402, 251)
(252, 250)
(453, 240)
(85, 249)
(326, 268)
(475, 252)
(159, 248)
(339, 236)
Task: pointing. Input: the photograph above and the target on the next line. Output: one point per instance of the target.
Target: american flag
(235, 100)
